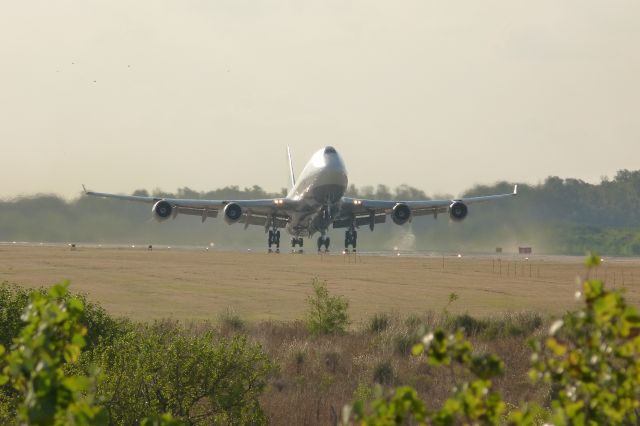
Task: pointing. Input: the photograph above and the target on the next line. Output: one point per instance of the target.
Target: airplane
(314, 203)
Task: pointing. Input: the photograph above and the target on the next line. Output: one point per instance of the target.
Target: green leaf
(76, 383)
(417, 349)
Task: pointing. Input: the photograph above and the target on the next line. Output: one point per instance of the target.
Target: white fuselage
(320, 187)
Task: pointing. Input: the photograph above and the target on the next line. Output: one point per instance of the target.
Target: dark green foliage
(229, 319)
(13, 301)
(326, 314)
(52, 337)
(506, 325)
(383, 373)
(200, 379)
(403, 342)
(101, 327)
(299, 360)
(152, 375)
(379, 322)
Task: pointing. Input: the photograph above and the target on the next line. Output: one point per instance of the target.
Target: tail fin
(292, 176)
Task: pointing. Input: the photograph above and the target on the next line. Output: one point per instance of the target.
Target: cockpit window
(329, 150)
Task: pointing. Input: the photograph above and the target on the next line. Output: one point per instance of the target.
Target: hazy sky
(440, 95)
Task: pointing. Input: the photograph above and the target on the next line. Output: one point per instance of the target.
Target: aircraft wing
(363, 210)
(255, 212)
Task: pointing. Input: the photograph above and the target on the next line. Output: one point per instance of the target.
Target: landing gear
(350, 239)
(297, 242)
(323, 241)
(274, 239)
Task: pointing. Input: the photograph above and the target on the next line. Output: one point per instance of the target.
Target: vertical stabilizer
(292, 176)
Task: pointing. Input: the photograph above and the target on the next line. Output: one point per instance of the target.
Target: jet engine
(458, 211)
(401, 214)
(232, 213)
(162, 210)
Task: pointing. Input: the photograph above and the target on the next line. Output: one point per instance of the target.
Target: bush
(383, 373)
(379, 323)
(507, 325)
(100, 326)
(404, 342)
(327, 314)
(198, 379)
(230, 319)
(51, 339)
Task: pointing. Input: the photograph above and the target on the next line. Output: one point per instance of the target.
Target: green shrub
(383, 373)
(379, 322)
(52, 337)
(327, 314)
(100, 326)
(231, 320)
(404, 341)
(506, 325)
(200, 379)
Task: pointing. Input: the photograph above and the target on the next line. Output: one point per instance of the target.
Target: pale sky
(440, 95)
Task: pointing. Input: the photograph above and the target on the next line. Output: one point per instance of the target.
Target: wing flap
(360, 221)
(197, 212)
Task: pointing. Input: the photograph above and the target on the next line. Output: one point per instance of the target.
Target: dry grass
(318, 375)
(146, 285)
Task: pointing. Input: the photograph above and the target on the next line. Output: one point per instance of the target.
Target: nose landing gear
(323, 241)
(297, 241)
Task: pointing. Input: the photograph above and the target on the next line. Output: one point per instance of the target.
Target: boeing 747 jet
(314, 203)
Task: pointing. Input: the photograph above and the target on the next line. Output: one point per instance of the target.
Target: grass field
(185, 284)
(317, 375)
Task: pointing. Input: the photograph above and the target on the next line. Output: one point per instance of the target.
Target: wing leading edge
(362, 210)
(255, 212)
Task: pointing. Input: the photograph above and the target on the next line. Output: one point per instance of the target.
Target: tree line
(556, 216)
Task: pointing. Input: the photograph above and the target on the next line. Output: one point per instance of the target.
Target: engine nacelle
(232, 213)
(458, 211)
(401, 214)
(162, 210)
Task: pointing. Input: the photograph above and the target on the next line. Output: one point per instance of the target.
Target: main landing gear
(274, 239)
(297, 242)
(350, 239)
(323, 241)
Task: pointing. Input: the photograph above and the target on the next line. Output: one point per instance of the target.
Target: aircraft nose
(329, 150)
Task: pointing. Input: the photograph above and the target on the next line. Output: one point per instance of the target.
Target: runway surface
(195, 283)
